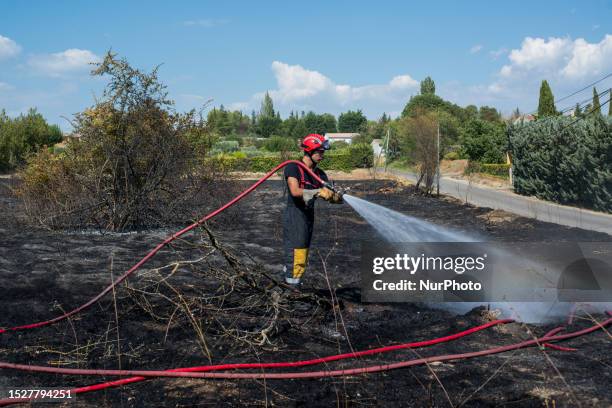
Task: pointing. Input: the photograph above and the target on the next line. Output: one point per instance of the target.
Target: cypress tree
(267, 107)
(577, 111)
(596, 105)
(546, 105)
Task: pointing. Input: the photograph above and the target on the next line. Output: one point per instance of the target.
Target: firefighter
(298, 217)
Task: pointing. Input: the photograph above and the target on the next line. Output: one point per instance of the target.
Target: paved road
(525, 206)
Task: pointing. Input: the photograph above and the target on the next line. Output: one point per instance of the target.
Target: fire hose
(164, 243)
(201, 372)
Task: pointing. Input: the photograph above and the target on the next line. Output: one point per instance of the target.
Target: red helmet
(314, 142)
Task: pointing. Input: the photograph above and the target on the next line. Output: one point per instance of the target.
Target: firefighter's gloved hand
(310, 196)
(326, 194)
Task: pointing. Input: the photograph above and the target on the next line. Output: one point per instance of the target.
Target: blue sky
(324, 56)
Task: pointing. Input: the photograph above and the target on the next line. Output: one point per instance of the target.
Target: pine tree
(546, 105)
(596, 105)
(428, 86)
(609, 102)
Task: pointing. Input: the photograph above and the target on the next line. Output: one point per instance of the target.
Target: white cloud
(560, 58)
(206, 22)
(403, 81)
(295, 82)
(589, 59)
(8, 48)
(61, 63)
(495, 54)
(5, 87)
(476, 48)
(299, 88)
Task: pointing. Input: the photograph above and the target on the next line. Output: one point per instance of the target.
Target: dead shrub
(137, 163)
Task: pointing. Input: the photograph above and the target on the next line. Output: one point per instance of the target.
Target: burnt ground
(43, 272)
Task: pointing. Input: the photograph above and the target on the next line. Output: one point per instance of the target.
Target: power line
(586, 115)
(586, 101)
(576, 92)
(581, 104)
(586, 87)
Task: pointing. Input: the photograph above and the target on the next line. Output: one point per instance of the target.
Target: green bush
(239, 155)
(226, 146)
(452, 156)
(569, 163)
(251, 151)
(280, 144)
(357, 156)
(340, 144)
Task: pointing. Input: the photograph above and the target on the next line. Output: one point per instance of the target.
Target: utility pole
(387, 150)
(438, 160)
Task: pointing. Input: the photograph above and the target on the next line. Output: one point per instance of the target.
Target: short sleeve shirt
(306, 181)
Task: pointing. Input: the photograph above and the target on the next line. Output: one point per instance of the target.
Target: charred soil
(43, 273)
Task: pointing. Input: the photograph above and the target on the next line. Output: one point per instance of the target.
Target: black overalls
(298, 222)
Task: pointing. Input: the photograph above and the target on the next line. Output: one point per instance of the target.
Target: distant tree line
(24, 134)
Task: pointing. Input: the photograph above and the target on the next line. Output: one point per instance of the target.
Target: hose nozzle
(335, 189)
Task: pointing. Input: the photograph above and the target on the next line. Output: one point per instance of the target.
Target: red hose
(301, 363)
(296, 375)
(160, 246)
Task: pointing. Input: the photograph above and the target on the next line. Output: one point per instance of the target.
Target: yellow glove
(326, 194)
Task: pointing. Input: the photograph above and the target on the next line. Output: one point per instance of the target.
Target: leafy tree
(24, 134)
(546, 104)
(421, 103)
(418, 143)
(484, 141)
(329, 123)
(609, 102)
(320, 124)
(352, 122)
(267, 125)
(489, 114)
(596, 105)
(378, 129)
(428, 87)
(471, 112)
(299, 131)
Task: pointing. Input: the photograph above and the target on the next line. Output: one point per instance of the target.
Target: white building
(377, 146)
(345, 137)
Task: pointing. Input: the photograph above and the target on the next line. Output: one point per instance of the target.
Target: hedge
(570, 163)
(356, 156)
(498, 170)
